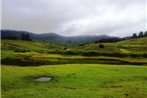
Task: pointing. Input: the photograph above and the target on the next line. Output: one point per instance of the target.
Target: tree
(28, 37)
(22, 36)
(140, 34)
(134, 35)
(25, 37)
(145, 33)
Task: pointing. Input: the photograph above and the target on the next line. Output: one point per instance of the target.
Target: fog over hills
(54, 36)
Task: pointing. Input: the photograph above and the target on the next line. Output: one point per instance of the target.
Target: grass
(75, 81)
(19, 44)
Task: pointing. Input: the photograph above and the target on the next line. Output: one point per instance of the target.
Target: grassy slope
(75, 81)
(128, 46)
(9, 46)
(19, 44)
(135, 46)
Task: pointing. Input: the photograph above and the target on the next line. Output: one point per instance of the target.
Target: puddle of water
(43, 79)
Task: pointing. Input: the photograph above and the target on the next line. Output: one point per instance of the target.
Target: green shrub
(21, 50)
(69, 52)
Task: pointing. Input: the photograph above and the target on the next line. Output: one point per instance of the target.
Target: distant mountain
(53, 36)
(86, 38)
(44, 36)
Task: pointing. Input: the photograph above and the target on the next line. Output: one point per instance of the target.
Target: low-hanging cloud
(75, 17)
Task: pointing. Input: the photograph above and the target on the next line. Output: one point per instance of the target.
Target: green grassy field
(79, 71)
(75, 81)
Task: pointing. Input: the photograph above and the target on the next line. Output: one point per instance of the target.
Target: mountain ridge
(55, 37)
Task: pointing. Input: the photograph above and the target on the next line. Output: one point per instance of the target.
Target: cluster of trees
(140, 34)
(22, 36)
(113, 39)
(25, 37)
(10, 37)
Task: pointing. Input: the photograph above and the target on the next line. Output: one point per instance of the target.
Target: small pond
(43, 79)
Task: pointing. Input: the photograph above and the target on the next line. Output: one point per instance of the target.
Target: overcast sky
(75, 17)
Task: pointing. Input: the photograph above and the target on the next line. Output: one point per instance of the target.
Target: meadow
(78, 71)
(75, 81)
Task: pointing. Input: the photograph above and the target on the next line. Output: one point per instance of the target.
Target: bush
(101, 46)
(70, 52)
(90, 53)
(65, 48)
(10, 38)
(23, 61)
(95, 53)
(21, 50)
(145, 55)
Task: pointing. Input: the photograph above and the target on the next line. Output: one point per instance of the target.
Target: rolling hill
(135, 46)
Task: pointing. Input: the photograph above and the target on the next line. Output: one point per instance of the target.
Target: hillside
(49, 52)
(137, 41)
(133, 45)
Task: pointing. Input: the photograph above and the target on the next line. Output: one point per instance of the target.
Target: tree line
(23, 36)
(140, 34)
(116, 39)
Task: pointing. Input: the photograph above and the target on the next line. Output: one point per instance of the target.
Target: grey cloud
(75, 17)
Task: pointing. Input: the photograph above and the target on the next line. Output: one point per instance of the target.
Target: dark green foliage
(65, 48)
(134, 35)
(24, 61)
(10, 38)
(69, 52)
(141, 34)
(83, 44)
(107, 40)
(145, 55)
(25, 37)
(101, 46)
(94, 53)
(21, 50)
(145, 33)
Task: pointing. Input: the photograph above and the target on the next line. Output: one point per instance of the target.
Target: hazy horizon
(75, 35)
(75, 17)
